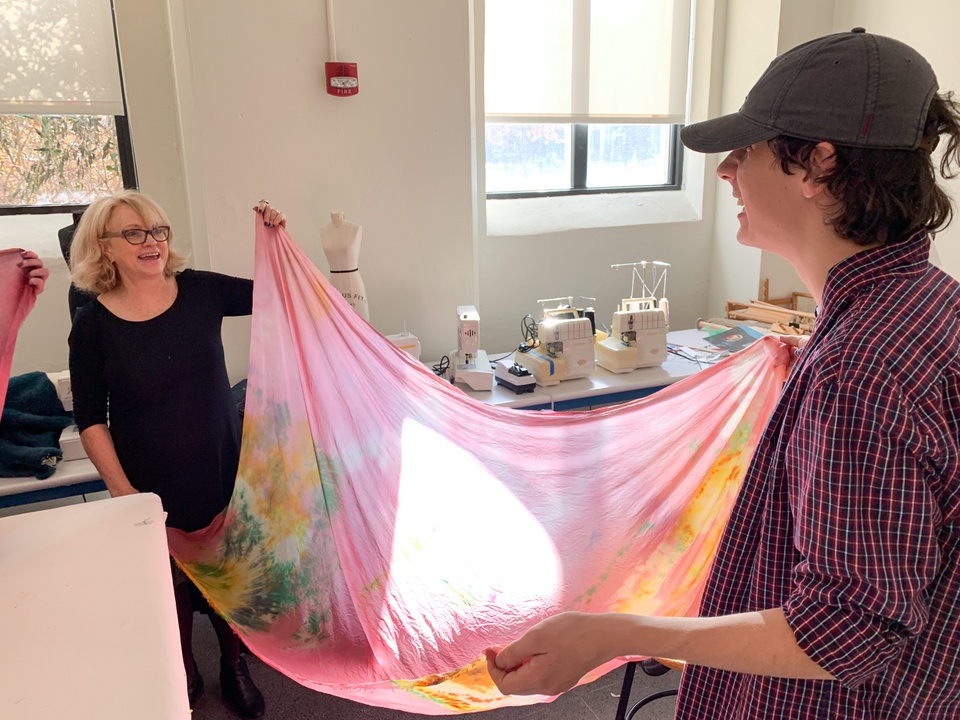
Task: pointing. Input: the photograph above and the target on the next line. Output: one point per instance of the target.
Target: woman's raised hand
(271, 216)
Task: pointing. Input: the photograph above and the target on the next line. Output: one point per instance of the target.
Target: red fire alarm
(342, 78)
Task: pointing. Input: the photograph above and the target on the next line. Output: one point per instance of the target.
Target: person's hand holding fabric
(551, 657)
(270, 215)
(33, 268)
(795, 343)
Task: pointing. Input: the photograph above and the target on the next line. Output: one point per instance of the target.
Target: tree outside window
(58, 160)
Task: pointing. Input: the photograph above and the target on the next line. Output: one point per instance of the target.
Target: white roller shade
(562, 61)
(58, 57)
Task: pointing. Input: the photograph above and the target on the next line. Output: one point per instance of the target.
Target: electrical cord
(528, 330)
(675, 350)
(440, 369)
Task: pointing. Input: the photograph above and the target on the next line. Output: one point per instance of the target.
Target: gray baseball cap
(851, 88)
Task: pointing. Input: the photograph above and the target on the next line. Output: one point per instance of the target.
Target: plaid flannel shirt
(849, 517)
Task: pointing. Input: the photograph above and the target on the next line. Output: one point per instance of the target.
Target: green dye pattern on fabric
(280, 413)
(331, 468)
(372, 590)
(314, 628)
(269, 597)
(246, 532)
(466, 596)
(740, 437)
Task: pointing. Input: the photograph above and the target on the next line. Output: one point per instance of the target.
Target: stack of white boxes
(70, 443)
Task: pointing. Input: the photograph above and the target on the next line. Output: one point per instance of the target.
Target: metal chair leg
(629, 671)
(623, 713)
(647, 700)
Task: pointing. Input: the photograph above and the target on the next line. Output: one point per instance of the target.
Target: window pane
(628, 155)
(523, 157)
(57, 160)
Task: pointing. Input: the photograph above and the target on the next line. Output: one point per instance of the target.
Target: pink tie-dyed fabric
(386, 528)
(17, 299)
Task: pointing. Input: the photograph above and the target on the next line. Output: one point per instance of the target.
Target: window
(527, 159)
(60, 163)
(64, 137)
(584, 96)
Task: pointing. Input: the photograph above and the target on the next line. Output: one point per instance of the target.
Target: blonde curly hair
(90, 269)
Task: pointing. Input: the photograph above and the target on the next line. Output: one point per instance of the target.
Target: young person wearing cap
(833, 593)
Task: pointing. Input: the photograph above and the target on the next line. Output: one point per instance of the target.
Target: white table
(500, 396)
(71, 477)
(88, 624)
(603, 387)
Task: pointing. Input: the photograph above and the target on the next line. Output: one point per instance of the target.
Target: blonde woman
(149, 349)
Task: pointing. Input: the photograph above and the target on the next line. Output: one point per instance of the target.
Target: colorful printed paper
(386, 527)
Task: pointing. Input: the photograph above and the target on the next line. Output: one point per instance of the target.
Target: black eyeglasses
(161, 233)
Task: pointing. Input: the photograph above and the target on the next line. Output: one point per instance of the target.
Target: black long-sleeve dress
(171, 412)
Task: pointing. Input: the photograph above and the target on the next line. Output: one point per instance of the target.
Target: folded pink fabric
(16, 301)
(386, 527)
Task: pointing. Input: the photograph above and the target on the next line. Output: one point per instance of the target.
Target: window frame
(578, 170)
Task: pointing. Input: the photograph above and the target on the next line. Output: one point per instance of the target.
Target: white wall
(227, 106)
(930, 26)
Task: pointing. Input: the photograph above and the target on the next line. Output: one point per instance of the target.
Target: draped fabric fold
(386, 528)
(16, 301)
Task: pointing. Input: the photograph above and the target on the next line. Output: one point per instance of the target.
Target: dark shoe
(194, 686)
(239, 691)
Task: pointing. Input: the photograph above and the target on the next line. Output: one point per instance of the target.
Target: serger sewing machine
(565, 349)
(408, 342)
(469, 365)
(638, 336)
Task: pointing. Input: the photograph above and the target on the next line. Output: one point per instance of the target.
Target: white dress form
(341, 245)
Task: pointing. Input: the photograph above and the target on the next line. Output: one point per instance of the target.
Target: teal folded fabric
(33, 418)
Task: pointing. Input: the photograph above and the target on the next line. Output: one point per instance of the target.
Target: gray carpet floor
(287, 700)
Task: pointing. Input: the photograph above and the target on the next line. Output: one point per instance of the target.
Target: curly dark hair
(886, 195)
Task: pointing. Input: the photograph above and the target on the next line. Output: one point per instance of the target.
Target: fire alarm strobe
(342, 78)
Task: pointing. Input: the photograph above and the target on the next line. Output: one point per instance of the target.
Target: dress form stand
(341, 245)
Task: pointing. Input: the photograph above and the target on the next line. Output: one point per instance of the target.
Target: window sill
(39, 233)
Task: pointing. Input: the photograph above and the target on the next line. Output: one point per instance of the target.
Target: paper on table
(87, 615)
